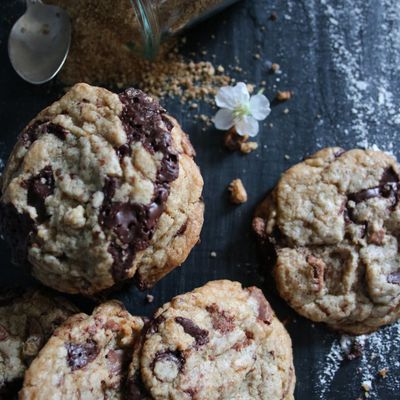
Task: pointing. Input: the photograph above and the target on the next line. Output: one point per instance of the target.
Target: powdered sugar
(378, 352)
(372, 99)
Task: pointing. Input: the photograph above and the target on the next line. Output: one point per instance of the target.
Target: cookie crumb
(287, 157)
(149, 298)
(238, 194)
(213, 254)
(248, 147)
(355, 351)
(383, 372)
(275, 68)
(284, 95)
(286, 111)
(233, 141)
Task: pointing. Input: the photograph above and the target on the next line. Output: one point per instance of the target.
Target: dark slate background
(342, 60)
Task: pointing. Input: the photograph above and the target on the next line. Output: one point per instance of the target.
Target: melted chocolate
(56, 130)
(200, 335)
(265, 312)
(32, 132)
(170, 356)
(79, 355)
(152, 326)
(394, 278)
(388, 188)
(221, 320)
(133, 225)
(39, 188)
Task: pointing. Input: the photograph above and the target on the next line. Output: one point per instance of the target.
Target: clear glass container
(159, 19)
(113, 41)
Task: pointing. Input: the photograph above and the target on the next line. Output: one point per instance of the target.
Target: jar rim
(146, 14)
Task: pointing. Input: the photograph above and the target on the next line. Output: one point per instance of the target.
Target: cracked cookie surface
(334, 221)
(86, 358)
(219, 341)
(100, 188)
(27, 319)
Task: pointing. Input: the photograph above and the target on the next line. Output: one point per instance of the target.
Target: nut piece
(284, 96)
(233, 141)
(237, 191)
(248, 147)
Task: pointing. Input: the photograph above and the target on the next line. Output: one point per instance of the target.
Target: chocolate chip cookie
(334, 221)
(86, 358)
(27, 319)
(100, 188)
(218, 342)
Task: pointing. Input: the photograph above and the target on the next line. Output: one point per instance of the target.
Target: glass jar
(159, 19)
(111, 37)
(145, 28)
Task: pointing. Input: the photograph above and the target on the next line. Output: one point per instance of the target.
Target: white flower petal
(223, 119)
(225, 98)
(241, 94)
(259, 107)
(246, 126)
(231, 97)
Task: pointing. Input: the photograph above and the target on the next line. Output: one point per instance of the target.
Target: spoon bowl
(39, 42)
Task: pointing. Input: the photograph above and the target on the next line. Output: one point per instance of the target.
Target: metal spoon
(39, 42)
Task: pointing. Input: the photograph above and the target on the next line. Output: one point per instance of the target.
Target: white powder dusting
(379, 352)
(372, 101)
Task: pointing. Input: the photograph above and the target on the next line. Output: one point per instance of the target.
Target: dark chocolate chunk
(115, 361)
(56, 130)
(365, 194)
(171, 356)
(31, 133)
(191, 392)
(388, 184)
(200, 335)
(39, 188)
(265, 312)
(339, 153)
(221, 320)
(394, 278)
(133, 225)
(152, 326)
(388, 188)
(79, 355)
(183, 228)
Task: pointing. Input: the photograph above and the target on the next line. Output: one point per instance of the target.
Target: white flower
(240, 110)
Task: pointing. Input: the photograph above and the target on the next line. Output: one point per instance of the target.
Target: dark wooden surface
(342, 60)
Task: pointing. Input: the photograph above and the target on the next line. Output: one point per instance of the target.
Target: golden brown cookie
(219, 341)
(100, 188)
(334, 220)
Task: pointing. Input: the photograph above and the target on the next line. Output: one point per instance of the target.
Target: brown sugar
(103, 52)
